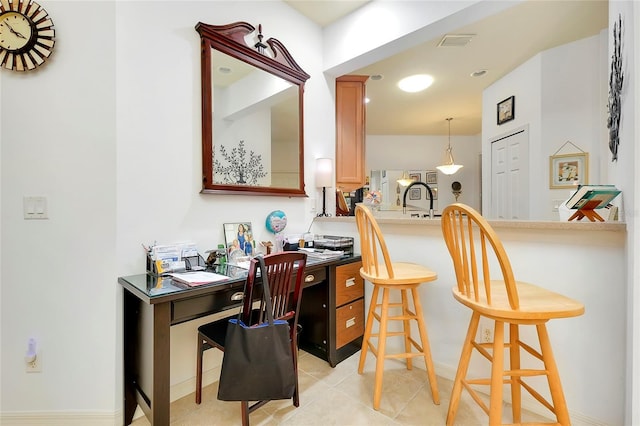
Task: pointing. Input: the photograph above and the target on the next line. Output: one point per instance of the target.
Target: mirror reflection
(252, 139)
(255, 126)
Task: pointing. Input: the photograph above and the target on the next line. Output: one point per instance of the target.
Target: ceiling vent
(455, 40)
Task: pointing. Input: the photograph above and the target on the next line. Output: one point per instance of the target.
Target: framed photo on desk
(238, 236)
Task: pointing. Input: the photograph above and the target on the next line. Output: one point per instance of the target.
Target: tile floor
(340, 396)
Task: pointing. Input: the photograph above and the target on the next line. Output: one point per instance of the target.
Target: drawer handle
(237, 295)
(351, 322)
(309, 278)
(351, 281)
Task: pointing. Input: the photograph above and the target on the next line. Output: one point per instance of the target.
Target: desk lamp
(324, 178)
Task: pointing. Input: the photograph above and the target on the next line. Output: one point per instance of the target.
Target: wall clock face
(26, 35)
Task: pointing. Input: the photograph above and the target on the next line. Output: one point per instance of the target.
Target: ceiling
(501, 43)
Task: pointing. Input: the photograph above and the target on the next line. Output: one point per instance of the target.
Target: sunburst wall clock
(27, 35)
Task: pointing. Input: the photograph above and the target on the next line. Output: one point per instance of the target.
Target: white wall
(58, 279)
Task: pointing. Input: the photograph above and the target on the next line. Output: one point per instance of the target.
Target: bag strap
(266, 291)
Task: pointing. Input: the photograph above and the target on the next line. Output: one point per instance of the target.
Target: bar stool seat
(379, 270)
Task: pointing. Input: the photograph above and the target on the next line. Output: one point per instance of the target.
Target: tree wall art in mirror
(252, 113)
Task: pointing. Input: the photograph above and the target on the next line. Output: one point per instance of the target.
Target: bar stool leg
(426, 348)
(368, 328)
(553, 377)
(497, 375)
(514, 364)
(463, 366)
(382, 343)
(406, 324)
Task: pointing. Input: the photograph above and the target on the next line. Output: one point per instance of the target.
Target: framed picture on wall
(415, 193)
(431, 177)
(414, 177)
(507, 110)
(434, 191)
(568, 170)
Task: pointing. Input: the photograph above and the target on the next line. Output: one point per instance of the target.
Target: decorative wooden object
(588, 211)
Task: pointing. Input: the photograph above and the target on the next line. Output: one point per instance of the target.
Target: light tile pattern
(340, 396)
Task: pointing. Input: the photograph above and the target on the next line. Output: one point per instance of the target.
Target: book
(198, 277)
(592, 196)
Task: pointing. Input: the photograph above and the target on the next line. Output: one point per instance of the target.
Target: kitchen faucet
(404, 197)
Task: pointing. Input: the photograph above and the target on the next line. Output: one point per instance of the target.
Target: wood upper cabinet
(350, 131)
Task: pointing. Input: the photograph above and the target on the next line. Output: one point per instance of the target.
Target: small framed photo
(431, 177)
(434, 191)
(415, 193)
(568, 170)
(414, 177)
(238, 236)
(507, 110)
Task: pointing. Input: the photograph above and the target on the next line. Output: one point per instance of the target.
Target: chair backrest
(474, 247)
(286, 275)
(373, 249)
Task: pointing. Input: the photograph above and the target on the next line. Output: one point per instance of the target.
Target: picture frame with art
(568, 170)
(506, 110)
(238, 236)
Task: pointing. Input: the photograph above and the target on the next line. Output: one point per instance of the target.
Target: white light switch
(35, 207)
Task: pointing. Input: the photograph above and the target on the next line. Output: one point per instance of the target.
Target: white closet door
(510, 176)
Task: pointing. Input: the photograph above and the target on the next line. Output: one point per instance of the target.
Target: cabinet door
(349, 283)
(349, 322)
(350, 132)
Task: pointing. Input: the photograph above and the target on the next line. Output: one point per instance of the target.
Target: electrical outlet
(486, 334)
(34, 366)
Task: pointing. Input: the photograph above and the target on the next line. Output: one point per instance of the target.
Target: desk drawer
(314, 276)
(349, 283)
(349, 322)
(195, 307)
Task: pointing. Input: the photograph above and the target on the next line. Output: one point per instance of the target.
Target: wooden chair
(384, 274)
(479, 258)
(286, 274)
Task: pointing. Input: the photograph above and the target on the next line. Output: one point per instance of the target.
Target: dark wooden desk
(152, 305)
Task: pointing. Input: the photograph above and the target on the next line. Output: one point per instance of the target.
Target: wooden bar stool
(474, 247)
(384, 274)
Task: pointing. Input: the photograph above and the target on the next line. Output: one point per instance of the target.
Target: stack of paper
(322, 254)
(198, 277)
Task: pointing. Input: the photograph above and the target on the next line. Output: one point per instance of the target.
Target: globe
(276, 221)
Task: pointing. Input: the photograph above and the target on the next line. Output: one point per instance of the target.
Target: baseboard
(60, 418)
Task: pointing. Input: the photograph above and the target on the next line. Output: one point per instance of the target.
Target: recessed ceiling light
(224, 70)
(376, 77)
(415, 83)
(478, 73)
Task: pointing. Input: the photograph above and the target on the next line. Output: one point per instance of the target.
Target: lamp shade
(324, 172)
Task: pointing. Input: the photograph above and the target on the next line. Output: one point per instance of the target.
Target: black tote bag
(257, 362)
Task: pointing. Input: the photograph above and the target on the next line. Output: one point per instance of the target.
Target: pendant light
(405, 180)
(449, 167)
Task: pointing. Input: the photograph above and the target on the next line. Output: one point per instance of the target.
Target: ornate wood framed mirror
(252, 113)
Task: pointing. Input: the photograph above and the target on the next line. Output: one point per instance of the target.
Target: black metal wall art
(616, 77)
